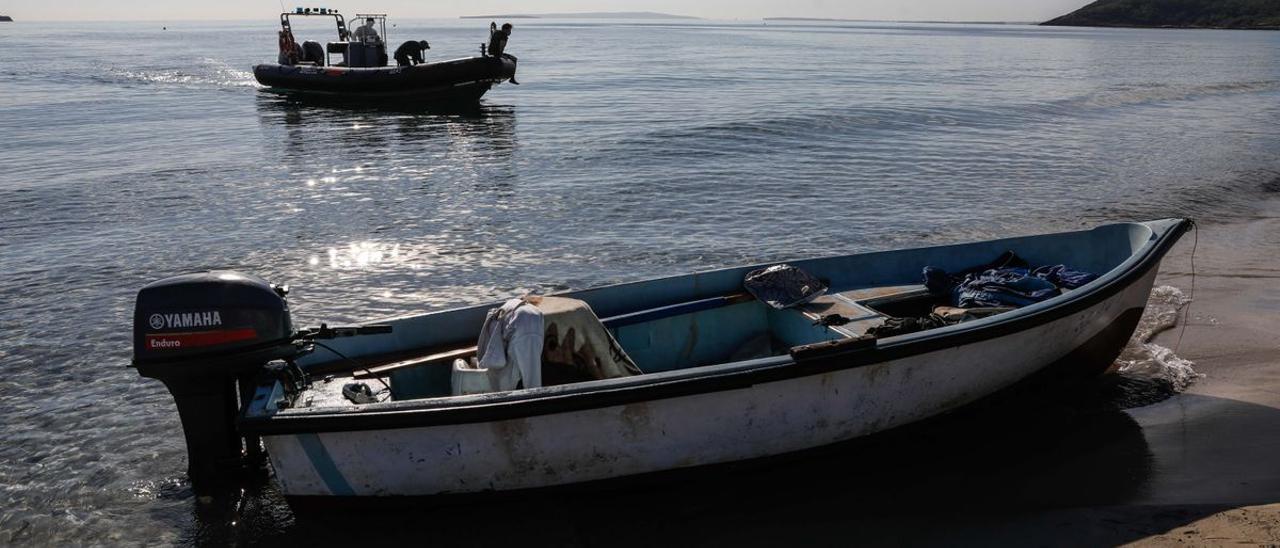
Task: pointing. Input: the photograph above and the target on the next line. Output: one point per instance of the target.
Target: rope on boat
(1186, 312)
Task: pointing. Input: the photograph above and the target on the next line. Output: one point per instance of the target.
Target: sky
(911, 10)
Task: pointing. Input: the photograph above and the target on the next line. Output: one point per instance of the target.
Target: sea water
(135, 151)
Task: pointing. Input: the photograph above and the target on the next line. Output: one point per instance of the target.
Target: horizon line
(685, 18)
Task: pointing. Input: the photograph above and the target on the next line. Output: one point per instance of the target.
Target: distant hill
(1227, 14)
(586, 15)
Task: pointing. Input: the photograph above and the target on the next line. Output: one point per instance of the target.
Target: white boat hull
(669, 433)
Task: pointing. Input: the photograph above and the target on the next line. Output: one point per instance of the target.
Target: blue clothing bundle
(1009, 281)
(1003, 287)
(1064, 277)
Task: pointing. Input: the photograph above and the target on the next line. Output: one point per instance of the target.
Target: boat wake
(1143, 359)
(206, 73)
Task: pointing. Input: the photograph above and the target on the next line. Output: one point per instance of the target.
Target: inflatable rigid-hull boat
(458, 79)
(697, 402)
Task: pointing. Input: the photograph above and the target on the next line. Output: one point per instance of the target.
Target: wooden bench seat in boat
(857, 305)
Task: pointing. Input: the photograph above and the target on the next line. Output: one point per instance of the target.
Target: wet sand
(1216, 447)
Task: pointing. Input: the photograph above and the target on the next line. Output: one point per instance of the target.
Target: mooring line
(1186, 313)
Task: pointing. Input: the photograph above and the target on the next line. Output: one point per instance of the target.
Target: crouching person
(411, 53)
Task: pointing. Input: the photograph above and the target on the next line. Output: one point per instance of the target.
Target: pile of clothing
(1005, 284)
(1008, 281)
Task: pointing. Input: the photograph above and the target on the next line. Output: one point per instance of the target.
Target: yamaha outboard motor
(201, 334)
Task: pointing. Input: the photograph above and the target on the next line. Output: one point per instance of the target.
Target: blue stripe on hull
(323, 463)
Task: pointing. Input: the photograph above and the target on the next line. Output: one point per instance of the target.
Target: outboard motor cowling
(201, 334)
(313, 51)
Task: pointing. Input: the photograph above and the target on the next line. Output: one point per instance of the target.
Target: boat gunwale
(717, 377)
(389, 69)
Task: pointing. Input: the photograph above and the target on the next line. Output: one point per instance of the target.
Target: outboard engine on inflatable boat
(201, 334)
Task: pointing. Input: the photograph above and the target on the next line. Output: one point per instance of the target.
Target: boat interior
(350, 49)
(708, 319)
(694, 334)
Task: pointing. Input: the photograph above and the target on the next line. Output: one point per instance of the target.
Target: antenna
(281, 6)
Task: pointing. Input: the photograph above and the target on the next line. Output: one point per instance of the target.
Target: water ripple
(144, 153)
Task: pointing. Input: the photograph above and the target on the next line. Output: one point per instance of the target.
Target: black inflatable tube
(460, 76)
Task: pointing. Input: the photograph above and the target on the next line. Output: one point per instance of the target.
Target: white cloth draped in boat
(541, 341)
(510, 346)
(578, 347)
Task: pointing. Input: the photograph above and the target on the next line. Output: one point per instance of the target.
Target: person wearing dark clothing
(498, 44)
(498, 39)
(367, 34)
(411, 53)
(291, 52)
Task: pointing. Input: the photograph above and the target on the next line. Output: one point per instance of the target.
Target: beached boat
(699, 399)
(357, 65)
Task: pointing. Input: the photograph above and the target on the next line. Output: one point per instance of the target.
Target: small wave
(1272, 184)
(1144, 359)
(174, 487)
(857, 121)
(843, 127)
(1231, 196)
(1148, 93)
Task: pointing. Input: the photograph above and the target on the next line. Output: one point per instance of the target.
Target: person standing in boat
(290, 51)
(498, 44)
(411, 53)
(367, 34)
